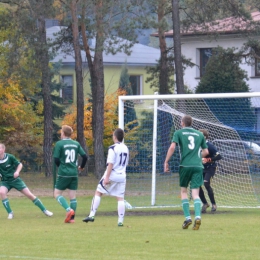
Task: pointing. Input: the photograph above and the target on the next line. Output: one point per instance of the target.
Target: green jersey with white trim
(190, 142)
(67, 150)
(8, 166)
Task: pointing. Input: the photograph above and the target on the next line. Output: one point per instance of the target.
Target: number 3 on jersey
(70, 156)
(191, 145)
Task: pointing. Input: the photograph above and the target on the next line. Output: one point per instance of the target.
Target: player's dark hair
(67, 130)
(205, 133)
(119, 134)
(187, 120)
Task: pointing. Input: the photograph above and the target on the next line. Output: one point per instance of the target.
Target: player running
(10, 169)
(113, 181)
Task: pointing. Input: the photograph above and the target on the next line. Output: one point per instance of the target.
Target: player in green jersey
(66, 156)
(192, 147)
(10, 169)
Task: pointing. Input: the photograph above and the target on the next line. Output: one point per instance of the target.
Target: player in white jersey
(113, 181)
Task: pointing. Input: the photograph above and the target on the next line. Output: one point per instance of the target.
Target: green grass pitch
(147, 234)
(31, 235)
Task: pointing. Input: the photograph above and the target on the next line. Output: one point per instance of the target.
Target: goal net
(233, 122)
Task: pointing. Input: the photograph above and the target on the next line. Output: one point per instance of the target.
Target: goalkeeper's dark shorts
(208, 173)
(191, 176)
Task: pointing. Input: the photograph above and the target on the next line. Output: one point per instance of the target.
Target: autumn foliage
(110, 119)
(19, 122)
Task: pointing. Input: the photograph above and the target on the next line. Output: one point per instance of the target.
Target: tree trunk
(98, 115)
(79, 77)
(98, 95)
(96, 70)
(177, 46)
(42, 51)
(164, 71)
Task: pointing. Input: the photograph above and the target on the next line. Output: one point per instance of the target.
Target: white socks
(95, 204)
(121, 210)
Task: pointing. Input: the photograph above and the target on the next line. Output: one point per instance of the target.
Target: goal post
(233, 121)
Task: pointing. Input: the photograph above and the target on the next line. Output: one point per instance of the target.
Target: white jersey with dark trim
(118, 155)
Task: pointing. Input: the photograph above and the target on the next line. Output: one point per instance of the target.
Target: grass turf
(147, 234)
(31, 235)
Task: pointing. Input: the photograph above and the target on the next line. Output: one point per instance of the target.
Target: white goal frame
(156, 97)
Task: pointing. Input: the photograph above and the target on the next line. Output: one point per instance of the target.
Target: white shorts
(116, 189)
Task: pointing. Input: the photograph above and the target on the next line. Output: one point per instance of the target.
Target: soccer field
(147, 234)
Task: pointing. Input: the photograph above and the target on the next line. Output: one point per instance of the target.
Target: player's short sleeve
(15, 162)
(81, 151)
(56, 153)
(175, 138)
(111, 155)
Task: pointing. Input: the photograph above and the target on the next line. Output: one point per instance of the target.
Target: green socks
(73, 204)
(197, 207)
(7, 205)
(39, 204)
(63, 203)
(186, 208)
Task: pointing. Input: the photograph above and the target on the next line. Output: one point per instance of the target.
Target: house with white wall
(198, 44)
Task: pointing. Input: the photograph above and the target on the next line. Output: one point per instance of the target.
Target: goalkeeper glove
(207, 160)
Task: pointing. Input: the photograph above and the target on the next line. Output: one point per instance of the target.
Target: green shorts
(192, 176)
(17, 184)
(63, 183)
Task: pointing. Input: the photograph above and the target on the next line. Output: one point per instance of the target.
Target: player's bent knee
(3, 194)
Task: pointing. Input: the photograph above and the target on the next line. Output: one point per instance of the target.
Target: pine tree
(130, 113)
(224, 75)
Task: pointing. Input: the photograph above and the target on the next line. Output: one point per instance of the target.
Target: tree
(41, 10)
(29, 40)
(21, 124)
(97, 81)
(223, 73)
(79, 74)
(202, 15)
(110, 120)
(154, 77)
(177, 46)
(108, 24)
(157, 14)
(130, 118)
(162, 76)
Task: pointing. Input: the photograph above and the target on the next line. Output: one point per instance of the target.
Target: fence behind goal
(233, 122)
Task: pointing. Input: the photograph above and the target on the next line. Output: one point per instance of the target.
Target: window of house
(205, 55)
(136, 84)
(67, 90)
(257, 67)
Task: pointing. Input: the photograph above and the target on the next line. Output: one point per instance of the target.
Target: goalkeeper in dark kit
(210, 167)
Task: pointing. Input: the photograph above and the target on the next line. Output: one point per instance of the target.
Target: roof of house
(141, 55)
(228, 25)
